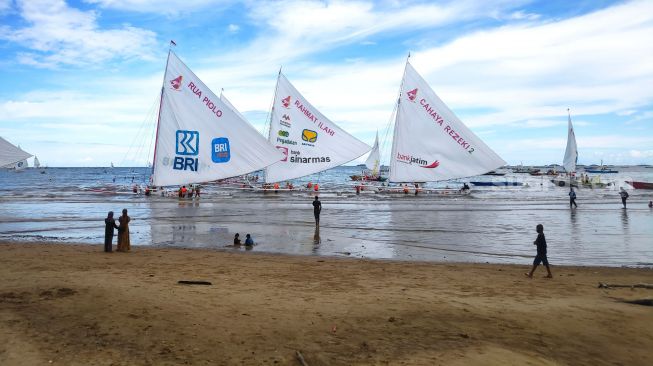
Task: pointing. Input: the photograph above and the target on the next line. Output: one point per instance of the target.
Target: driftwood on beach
(638, 285)
(185, 282)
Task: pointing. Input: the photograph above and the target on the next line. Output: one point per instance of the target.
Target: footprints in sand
(27, 296)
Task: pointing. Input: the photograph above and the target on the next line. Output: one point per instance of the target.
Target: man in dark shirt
(540, 242)
(317, 208)
(110, 224)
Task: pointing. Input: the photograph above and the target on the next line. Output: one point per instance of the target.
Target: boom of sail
(430, 143)
(199, 137)
(310, 142)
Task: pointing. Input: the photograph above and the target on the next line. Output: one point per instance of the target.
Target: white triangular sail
(430, 143)
(309, 141)
(373, 160)
(571, 152)
(11, 155)
(199, 137)
(37, 163)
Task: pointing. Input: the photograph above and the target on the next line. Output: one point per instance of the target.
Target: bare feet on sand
(528, 275)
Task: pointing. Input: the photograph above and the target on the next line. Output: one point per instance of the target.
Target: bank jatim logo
(412, 94)
(286, 102)
(176, 83)
(434, 164)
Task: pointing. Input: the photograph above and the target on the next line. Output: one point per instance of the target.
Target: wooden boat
(640, 185)
(497, 184)
(492, 172)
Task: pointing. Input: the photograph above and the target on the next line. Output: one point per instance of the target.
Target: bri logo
(412, 94)
(186, 144)
(220, 152)
(176, 83)
(284, 151)
(286, 101)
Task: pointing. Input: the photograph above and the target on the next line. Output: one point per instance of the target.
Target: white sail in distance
(199, 137)
(373, 160)
(37, 163)
(10, 154)
(430, 143)
(309, 141)
(571, 151)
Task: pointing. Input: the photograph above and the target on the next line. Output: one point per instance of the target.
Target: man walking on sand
(541, 253)
(317, 208)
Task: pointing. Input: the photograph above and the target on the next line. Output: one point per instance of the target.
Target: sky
(80, 80)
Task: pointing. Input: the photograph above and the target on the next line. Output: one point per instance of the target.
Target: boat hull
(497, 184)
(640, 185)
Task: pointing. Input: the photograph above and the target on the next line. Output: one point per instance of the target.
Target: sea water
(495, 225)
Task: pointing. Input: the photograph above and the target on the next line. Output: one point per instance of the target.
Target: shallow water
(494, 225)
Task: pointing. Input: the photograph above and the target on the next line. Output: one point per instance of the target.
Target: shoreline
(75, 305)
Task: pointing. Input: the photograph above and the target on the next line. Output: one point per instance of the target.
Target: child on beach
(237, 239)
(541, 253)
(248, 240)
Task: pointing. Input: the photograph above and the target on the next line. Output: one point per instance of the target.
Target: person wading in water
(317, 208)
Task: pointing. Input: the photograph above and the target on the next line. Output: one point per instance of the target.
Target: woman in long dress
(123, 232)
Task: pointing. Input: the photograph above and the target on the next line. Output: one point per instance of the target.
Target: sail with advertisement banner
(430, 143)
(199, 137)
(11, 156)
(310, 142)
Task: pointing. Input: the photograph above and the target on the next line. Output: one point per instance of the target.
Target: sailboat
(199, 138)
(309, 141)
(37, 163)
(569, 163)
(12, 157)
(430, 143)
(372, 163)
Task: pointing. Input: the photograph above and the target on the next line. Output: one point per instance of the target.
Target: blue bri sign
(187, 144)
(220, 152)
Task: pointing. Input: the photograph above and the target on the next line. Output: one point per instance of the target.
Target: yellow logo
(309, 136)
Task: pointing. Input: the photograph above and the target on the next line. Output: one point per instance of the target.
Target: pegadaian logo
(283, 133)
(176, 83)
(286, 102)
(412, 95)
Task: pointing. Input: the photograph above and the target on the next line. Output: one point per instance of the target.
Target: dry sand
(74, 305)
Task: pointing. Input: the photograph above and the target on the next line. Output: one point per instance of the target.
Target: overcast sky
(80, 79)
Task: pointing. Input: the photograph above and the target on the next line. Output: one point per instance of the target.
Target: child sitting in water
(249, 241)
(541, 252)
(237, 239)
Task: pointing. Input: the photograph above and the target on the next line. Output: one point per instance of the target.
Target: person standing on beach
(110, 224)
(624, 195)
(317, 208)
(123, 232)
(541, 253)
(572, 197)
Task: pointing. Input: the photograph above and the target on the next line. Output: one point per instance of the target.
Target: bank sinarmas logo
(220, 150)
(187, 142)
(284, 151)
(309, 136)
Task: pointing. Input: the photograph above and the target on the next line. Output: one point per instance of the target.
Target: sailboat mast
(274, 99)
(158, 121)
(393, 151)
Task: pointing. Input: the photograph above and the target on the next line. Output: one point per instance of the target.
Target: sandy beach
(75, 305)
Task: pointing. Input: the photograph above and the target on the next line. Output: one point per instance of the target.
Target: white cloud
(169, 7)
(5, 5)
(60, 35)
(233, 28)
(641, 153)
(521, 15)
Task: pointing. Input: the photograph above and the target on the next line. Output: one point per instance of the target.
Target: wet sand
(74, 305)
